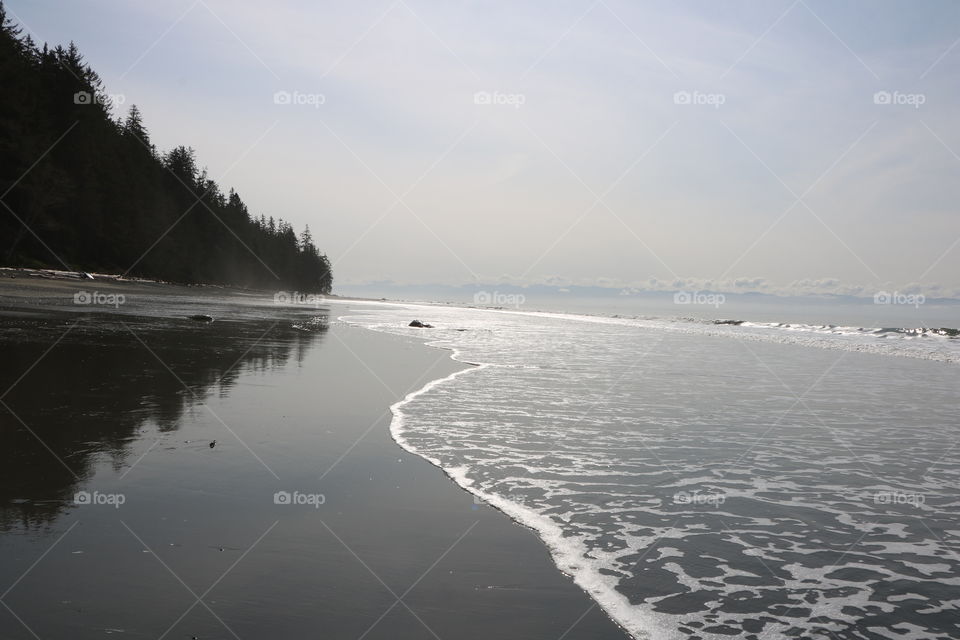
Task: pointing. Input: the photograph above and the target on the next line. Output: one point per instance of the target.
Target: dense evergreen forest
(84, 189)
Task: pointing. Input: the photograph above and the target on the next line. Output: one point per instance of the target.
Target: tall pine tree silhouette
(83, 190)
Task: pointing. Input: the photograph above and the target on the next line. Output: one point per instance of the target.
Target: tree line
(83, 189)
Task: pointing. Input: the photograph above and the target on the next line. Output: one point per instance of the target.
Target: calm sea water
(791, 476)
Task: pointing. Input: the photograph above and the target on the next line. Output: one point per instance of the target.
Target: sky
(787, 146)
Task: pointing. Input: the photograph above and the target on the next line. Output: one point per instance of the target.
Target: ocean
(790, 474)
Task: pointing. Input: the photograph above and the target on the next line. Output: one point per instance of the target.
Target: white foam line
(779, 333)
(567, 552)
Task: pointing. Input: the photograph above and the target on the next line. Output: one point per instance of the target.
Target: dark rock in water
(201, 317)
(213, 444)
(736, 323)
(420, 325)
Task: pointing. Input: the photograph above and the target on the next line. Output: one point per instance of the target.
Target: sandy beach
(152, 487)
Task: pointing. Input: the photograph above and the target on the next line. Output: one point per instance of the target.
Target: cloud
(513, 192)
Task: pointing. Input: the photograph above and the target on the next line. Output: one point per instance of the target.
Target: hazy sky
(625, 143)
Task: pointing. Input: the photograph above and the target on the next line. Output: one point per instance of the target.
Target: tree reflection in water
(95, 391)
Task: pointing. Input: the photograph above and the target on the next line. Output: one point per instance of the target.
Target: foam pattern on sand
(701, 487)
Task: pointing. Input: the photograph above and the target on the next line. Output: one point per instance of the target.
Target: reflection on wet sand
(179, 539)
(80, 391)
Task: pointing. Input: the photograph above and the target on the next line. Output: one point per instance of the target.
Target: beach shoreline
(635, 530)
(390, 521)
(614, 604)
(58, 276)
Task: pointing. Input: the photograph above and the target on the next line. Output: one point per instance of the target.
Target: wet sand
(120, 403)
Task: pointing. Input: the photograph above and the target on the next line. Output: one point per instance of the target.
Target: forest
(84, 189)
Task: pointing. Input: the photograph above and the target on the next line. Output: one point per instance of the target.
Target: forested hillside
(83, 188)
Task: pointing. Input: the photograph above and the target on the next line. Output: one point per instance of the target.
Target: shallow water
(118, 517)
(706, 481)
